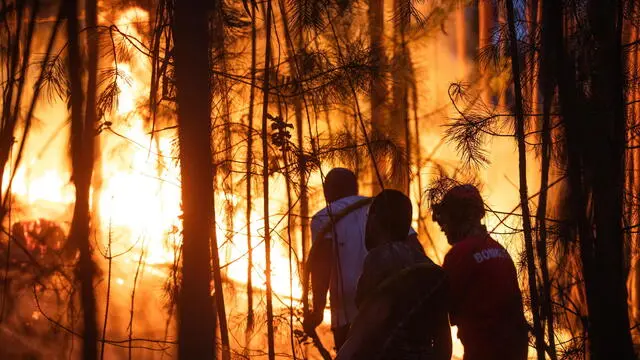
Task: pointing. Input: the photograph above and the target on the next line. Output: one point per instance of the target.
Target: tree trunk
(219, 54)
(485, 23)
(265, 181)
(635, 276)
(82, 137)
(461, 52)
(610, 336)
(522, 166)
(572, 110)
(196, 325)
(378, 90)
(93, 43)
(547, 85)
(17, 52)
(400, 110)
(297, 106)
(531, 86)
(595, 141)
(249, 165)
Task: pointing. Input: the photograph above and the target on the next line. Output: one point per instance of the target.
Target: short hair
(340, 183)
(393, 212)
(462, 203)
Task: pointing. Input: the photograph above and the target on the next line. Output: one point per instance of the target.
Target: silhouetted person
(401, 294)
(486, 303)
(338, 233)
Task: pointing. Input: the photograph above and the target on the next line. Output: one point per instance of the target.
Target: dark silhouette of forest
(160, 161)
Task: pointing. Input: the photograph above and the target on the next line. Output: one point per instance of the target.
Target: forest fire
(104, 251)
(139, 194)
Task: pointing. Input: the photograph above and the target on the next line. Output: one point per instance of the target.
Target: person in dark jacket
(401, 294)
(486, 302)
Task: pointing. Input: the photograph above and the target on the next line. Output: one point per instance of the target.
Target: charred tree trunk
(82, 137)
(265, 180)
(530, 68)
(595, 139)
(524, 196)
(610, 336)
(547, 85)
(196, 325)
(571, 110)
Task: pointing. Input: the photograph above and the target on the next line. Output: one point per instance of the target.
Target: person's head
(389, 218)
(340, 183)
(459, 212)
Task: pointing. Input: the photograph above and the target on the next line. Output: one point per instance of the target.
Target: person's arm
(318, 271)
(320, 268)
(457, 269)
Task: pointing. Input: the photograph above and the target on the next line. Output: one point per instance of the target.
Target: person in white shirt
(338, 233)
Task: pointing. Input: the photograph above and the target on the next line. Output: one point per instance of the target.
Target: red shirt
(486, 303)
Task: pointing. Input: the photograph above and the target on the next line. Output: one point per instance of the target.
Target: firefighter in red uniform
(486, 303)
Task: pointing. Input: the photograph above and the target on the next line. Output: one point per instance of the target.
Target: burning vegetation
(161, 161)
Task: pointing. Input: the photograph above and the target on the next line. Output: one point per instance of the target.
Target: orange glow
(139, 198)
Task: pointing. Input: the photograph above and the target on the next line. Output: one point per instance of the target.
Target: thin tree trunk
(522, 167)
(400, 113)
(91, 114)
(485, 22)
(541, 244)
(91, 122)
(196, 325)
(250, 315)
(220, 55)
(630, 178)
(633, 174)
(108, 296)
(139, 265)
(9, 120)
(531, 86)
(290, 205)
(503, 94)
(547, 86)
(461, 53)
(378, 87)
(635, 287)
(219, 51)
(297, 106)
(17, 63)
(82, 137)
(265, 181)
